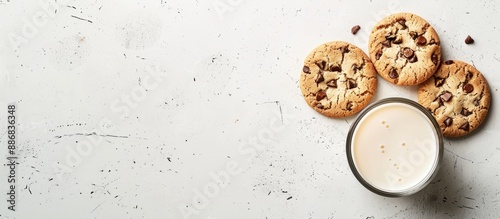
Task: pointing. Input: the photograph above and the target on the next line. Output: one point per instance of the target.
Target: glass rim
(437, 163)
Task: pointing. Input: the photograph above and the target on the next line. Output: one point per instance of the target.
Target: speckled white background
(127, 108)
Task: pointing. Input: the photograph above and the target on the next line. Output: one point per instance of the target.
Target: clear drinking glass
(394, 147)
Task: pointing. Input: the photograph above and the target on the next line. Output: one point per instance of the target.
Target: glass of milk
(394, 147)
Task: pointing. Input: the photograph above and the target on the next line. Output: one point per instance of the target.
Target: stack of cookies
(338, 79)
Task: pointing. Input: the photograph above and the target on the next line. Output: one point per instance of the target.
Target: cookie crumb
(355, 29)
(469, 40)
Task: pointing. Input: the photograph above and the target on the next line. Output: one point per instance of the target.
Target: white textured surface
(216, 82)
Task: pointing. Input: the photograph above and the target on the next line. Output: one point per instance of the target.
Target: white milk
(394, 147)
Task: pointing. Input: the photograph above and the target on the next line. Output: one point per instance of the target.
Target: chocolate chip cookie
(458, 97)
(405, 49)
(338, 79)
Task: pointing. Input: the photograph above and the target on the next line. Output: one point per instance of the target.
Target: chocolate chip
(332, 83)
(393, 74)
(465, 112)
(448, 121)
(320, 95)
(413, 59)
(446, 96)
(465, 126)
(345, 49)
(391, 37)
(320, 106)
(439, 81)
(413, 34)
(468, 88)
(306, 70)
(349, 106)
(335, 68)
(403, 23)
(355, 29)
(434, 59)
(378, 55)
(321, 65)
(386, 43)
(408, 53)
(421, 41)
(398, 40)
(469, 40)
(319, 78)
(448, 62)
(351, 84)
